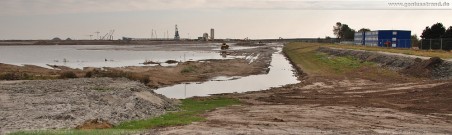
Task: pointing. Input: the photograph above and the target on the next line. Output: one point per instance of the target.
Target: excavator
(224, 46)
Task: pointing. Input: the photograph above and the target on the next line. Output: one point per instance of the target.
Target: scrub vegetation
(315, 63)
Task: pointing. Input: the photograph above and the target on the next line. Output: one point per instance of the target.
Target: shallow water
(79, 56)
(281, 73)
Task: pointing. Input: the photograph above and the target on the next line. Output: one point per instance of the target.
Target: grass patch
(143, 78)
(189, 69)
(15, 76)
(341, 64)
(67, 74)
(190, 112)
(314, 63)
(77, 132)
(102, 89)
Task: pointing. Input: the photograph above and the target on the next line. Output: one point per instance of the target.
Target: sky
(238, 19)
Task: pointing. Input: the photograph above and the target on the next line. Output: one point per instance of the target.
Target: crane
(97, 34)
(111, 34)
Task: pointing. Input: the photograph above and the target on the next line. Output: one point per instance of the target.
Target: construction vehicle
(224, 46)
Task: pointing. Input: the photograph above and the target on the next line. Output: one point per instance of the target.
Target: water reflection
(77, 56)
(281, 73)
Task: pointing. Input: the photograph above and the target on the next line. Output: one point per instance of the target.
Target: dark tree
(438, 30)
(427, 33)
(337, 30)
(56, 39)
(347, 32)
(448, 33)
(414, 41)
(363, 30)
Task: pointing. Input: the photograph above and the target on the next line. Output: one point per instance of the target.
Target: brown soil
(157, 76)
(334, 107)
(196, 71)
(423, 68)
(359, 102)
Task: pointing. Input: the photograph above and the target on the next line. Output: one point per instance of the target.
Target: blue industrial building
(384, 38)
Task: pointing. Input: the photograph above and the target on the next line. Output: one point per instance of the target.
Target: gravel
(60, 104)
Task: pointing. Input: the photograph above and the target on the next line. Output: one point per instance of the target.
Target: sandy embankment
(55, 104)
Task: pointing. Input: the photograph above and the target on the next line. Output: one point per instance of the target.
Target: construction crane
(97, 34)
(90, 37)
(111, 34)
(103, 37)
(108, 36)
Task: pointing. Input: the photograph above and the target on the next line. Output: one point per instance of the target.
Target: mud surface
(334, 107)
(328, 105)
(50, 104)
(159, 76)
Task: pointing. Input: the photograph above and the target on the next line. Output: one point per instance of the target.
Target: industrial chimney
(212, 34)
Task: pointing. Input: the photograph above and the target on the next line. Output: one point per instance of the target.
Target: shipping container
(384, 38)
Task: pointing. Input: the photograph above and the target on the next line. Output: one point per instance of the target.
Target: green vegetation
(143, 78)
(188, 69)
(23, 76)
(78, 132)
(315, 64)
(68, 74)
(190, 111)
(15, 76)
(102, 89)
(341, 64)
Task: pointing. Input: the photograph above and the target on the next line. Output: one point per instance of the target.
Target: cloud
(32, 7)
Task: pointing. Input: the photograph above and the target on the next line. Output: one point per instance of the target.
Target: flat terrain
(158, 76)
(338, 95)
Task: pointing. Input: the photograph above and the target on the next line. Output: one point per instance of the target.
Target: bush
(68, 74)
(15, 76)
(188, 69)
(145, 79)
(118, 74)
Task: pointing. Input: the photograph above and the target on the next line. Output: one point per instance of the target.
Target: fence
(436, 44)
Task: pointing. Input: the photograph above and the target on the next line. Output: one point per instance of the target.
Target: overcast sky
(45, 19)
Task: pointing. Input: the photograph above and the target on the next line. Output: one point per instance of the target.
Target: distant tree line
(436, 37)
(344, 32)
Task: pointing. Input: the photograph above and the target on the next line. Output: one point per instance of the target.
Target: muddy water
(79, 56)
(281, 73)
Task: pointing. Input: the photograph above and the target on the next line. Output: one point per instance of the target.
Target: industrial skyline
(45, 19)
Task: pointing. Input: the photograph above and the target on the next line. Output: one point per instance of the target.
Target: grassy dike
(190, 111)
(316, 64)
(425, 53)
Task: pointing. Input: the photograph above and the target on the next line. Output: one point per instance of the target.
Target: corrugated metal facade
(384, 38)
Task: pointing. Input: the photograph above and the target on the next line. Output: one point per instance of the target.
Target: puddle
(281, 73)
(78, 56)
